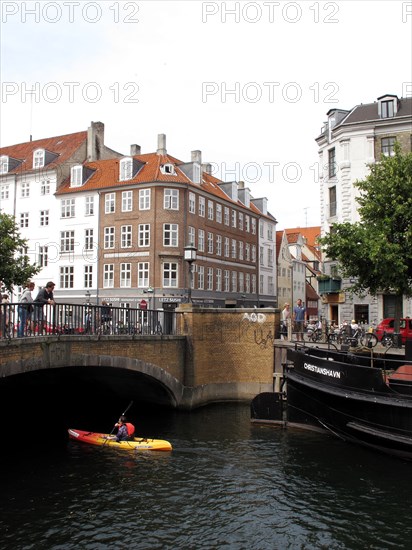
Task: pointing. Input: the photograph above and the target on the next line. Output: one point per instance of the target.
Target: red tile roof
(63, 146)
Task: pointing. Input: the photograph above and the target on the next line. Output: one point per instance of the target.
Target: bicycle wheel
(369, 340)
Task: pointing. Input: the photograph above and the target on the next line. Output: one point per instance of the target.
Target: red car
(387, 326)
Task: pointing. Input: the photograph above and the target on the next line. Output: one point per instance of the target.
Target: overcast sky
(247, 83)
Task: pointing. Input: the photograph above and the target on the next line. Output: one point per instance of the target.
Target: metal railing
(25, 320)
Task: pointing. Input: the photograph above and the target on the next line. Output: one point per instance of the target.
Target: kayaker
(125, 430)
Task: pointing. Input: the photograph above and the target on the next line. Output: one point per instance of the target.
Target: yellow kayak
(136, 444)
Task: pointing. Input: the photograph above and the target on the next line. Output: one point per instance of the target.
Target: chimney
(134, 149)
(207, 167)
(197, 156)
(161, 144)
(241, 184)
(95, 141)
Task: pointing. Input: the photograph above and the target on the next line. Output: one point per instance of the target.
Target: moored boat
(136, 444)
(363, 399)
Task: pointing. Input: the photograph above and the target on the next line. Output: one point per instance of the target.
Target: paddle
(123, 414)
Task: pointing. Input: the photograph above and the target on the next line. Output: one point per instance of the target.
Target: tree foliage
(377, 250)
(15, 268)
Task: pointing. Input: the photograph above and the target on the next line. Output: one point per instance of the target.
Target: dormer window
(126, 169)
(196, 172)
(4, 164)
(168, 169)
(38, 158)
(76, 176)
(387, 106)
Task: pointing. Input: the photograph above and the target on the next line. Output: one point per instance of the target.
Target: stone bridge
(220, 355)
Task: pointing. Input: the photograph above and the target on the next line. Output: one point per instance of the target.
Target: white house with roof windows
(349, 142)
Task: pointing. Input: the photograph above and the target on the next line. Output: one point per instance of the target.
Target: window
(88, 276)
(247, 223)
(127, 201)
(253, 226)
(25, 189)
(219, 213)
(89, 205)
(192, 203)
(387, 109)
(108, 276)
(24, 219)
(247, 284)
(44, 217)
(170, 274)
(241, 250)
(218, 245)
(125, 275)
(210, 210)
(88, 239)
(4, 192)
(67, 276)
(109, 203)
(4, 164)
(241, 282)
(332, 163)
(226, 215)
(144, 199)
(226, 247)
(168, 169)
(202, 206)
(126, 169)
(200, 277)
(191, 236)
(234, 249)
(43, 257)
(332, 201)
(270, 232)
(109, 234)
(271, 286)
(201, 240)
(171, 199)
(143, 274)
(45, 187)
(234, 281)
(210, 278)
(126, 236)
(240, 221)
(170, 234)
(67, 241)
(144, 234)
(210, 243)
(38, 158)
(226, 280)
(247, 252)
(388, 145)
(76, 176)
(67, 208)
(270, 257)
(218, 280)
(253, 284)
(253, 253)
(234, 218)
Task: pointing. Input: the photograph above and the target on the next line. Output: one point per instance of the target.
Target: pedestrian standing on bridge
(25, 309)
(299, 317)
(44, 297)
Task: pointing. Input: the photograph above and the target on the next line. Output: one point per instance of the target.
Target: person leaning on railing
(44, 297)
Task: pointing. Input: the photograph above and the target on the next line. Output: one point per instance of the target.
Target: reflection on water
(227, 484)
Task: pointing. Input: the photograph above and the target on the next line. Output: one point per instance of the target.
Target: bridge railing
(21, 320)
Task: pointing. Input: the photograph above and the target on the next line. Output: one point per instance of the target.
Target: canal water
(227, 484)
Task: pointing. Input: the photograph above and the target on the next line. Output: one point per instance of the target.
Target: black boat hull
(349, 399)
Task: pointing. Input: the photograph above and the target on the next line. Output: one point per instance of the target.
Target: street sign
(143, 304)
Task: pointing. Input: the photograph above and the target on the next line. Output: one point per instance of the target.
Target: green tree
(15, 268)
(377, 250)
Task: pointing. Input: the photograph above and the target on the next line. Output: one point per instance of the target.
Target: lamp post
(190, 257)
(88, 295)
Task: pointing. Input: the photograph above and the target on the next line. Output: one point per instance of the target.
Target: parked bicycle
(359, 337)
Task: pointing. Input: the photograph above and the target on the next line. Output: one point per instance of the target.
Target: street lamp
(190, 257)
(149, 290)
(87, 294)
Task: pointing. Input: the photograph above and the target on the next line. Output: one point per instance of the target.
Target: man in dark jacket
(44, 296)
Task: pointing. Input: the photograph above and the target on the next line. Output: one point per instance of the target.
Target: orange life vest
(130, 429)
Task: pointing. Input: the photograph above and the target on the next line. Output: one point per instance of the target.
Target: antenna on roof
(306, 215)
(31, 92)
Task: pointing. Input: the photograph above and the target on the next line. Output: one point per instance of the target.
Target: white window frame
(171, 199)
(25, 189)
(125, 275)
(109, 237)
(44, 218)
(89, 205)
(170, 234)
(76, 176)
(170, 273)
(38, 158)
(110, 203)
(144, 199)
(67, 241)
(202, 207)
(126, 236)
(144, 235)
(66, 273)
(143, 274)
(127, 201)
(88, 238)
(192, 203)
(126, 169)
(108, 276)
(45, 187)
(88, 276)
(68, 208)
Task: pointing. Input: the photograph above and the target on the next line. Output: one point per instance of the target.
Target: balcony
(328, 285)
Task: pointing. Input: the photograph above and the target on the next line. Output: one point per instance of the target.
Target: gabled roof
(62, 146)
(106, 176)
(369, 111)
